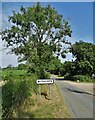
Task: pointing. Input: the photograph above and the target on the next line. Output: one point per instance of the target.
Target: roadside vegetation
(39, 42)
(83, 67)
(21, 99)
(17, 88)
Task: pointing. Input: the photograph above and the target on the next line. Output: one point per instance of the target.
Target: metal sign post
(50, 91)
(45, 81)
(40, 91)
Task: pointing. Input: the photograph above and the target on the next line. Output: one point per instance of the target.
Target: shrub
(68, 77)
(82, 78)
(14, 93)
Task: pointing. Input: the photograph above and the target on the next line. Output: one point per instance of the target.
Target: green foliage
(68, 68)
(41, 73)
(82, 78)
(21, 67)
(83, 66)
(84, 62)
(82, 50)
(62, 71)
(68, 77)
(54, 66)
(13, 95)
(15, 92)
(36, 34)
(85, 57)
(7, 74)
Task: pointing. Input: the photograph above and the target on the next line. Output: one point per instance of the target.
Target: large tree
(85, 57)
(36, 34)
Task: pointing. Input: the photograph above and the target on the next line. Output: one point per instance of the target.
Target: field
(13, 73)
(32, 105)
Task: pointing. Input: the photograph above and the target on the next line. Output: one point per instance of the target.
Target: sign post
(50, 91)
(40, 91)
(45, 81)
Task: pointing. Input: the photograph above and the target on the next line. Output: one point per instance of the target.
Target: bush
(32, 82)
(68, 77)
(14, 93)
(82, 78)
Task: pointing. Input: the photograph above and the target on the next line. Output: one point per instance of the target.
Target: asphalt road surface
(78, 101)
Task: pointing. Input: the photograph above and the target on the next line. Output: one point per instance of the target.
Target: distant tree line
(84, 63)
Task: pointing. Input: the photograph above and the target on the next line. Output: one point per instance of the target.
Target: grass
(0, 102)
(14, 73)
(35, 106)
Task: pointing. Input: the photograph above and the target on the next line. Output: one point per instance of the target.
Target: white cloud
(6, 59)
(9, 59)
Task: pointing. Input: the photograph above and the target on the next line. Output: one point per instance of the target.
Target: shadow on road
(78, 91)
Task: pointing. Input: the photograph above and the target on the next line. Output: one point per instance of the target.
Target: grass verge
(40, 107)
(35, 106)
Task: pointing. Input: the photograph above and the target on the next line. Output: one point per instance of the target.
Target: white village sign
(45, 81)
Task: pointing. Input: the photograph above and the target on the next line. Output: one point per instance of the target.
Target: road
(79, 102)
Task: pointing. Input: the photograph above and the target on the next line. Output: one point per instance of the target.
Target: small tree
(36, 34)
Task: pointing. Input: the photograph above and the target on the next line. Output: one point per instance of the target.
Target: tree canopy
(85, 57)
(54, 66)
(36, 34)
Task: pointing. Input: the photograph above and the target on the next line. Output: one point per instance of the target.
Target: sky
(79, 13)
(47, 0)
